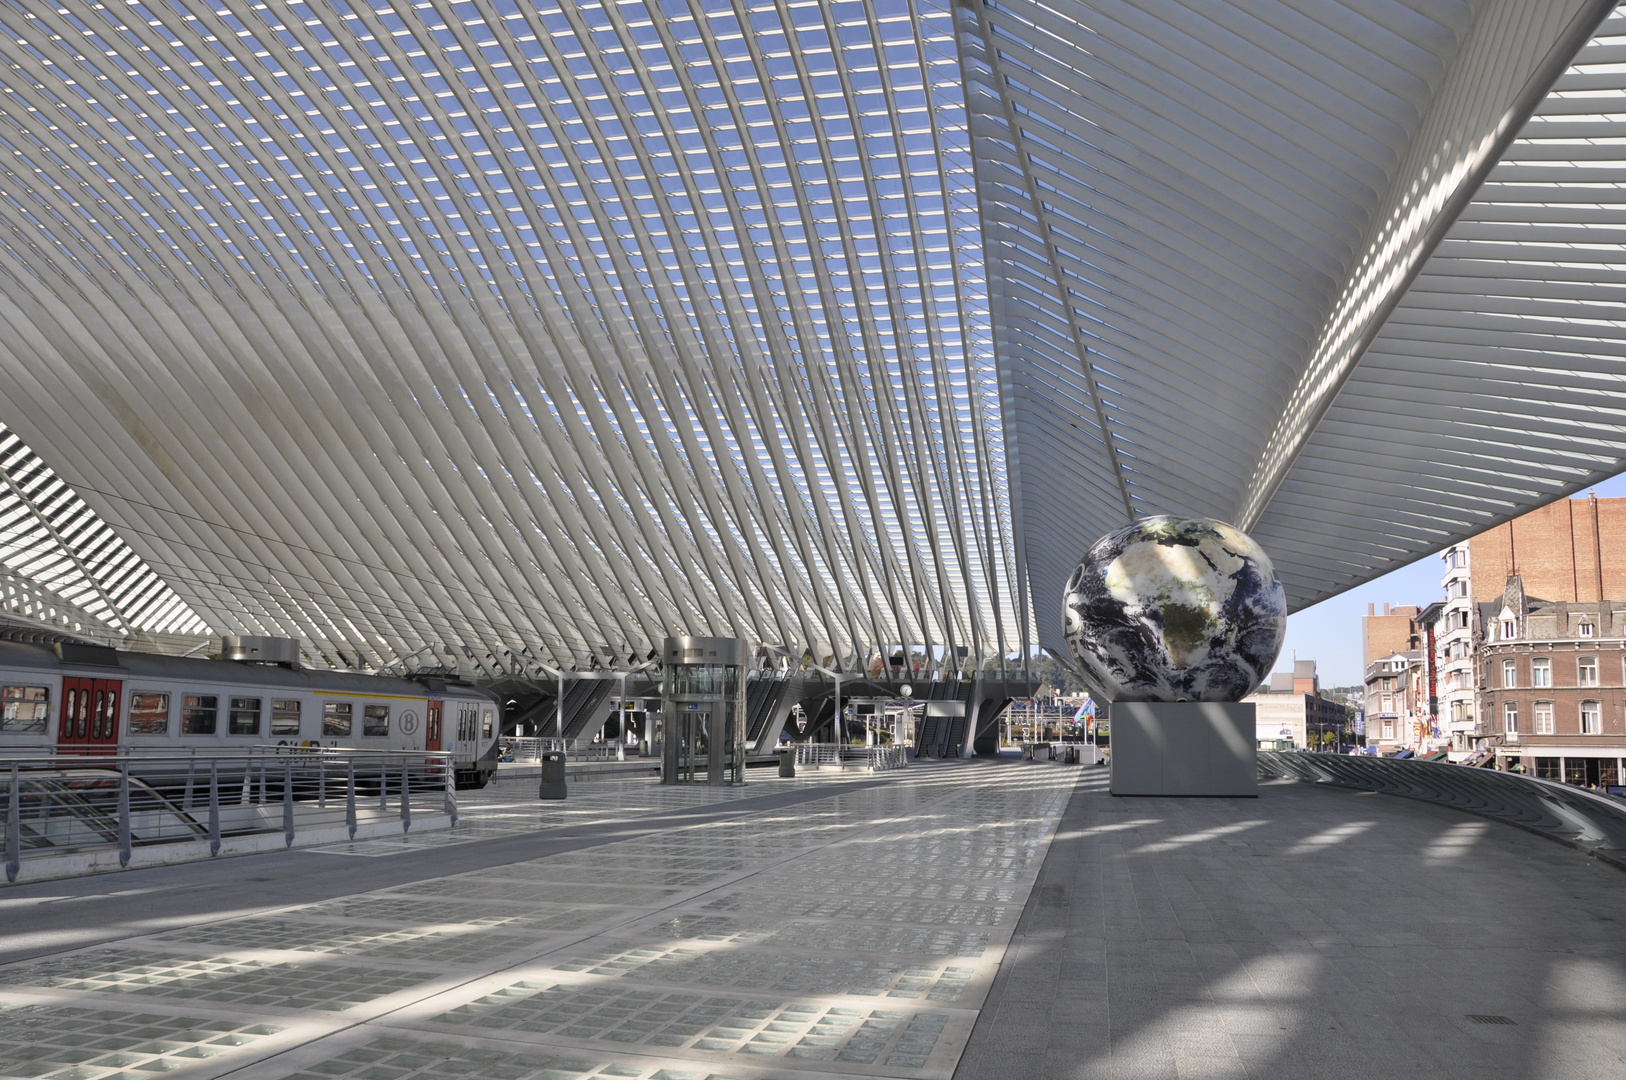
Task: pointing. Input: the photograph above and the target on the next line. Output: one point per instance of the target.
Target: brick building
(1552, 685)
(1402, 678)
(1390, 700)
(1573, 550)
(1290, 712)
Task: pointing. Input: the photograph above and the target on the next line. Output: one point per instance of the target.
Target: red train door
(431, 734)
(90, 714)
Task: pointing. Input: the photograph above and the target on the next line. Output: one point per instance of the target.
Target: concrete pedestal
(1183, 748)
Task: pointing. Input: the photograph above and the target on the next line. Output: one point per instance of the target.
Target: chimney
(1371, 609)
(1386, 608)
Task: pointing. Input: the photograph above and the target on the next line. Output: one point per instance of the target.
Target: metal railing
(885, 758)
(530, 748)
(1593, 823)
(72, 802)
(877, 758)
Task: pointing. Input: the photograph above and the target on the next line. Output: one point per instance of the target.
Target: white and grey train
(79, 698)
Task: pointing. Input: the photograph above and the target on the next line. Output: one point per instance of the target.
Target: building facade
(1552, 685)
(1291, 713)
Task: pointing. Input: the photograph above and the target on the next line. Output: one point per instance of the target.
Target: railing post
(14, 829)
(321, 780)
(124, 813)
(214, 808)
(406, 798)
(350, 798)
(191, 763)
(450, 783)
(383, 784)
(288, 803)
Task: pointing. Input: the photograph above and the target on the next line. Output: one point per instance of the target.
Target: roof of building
(518, 338)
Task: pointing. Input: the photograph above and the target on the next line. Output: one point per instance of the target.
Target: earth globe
(1175, 609)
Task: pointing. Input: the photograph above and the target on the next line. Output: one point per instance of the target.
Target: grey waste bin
(787, 762)
(553, 776)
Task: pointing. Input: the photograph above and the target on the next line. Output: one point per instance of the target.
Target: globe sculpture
(1176, 609)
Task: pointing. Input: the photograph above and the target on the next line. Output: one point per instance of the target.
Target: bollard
(553, 776)
(787, 762)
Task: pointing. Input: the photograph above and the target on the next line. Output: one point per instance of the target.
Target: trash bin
(787, 762)
(1027, 751)
(553, 776)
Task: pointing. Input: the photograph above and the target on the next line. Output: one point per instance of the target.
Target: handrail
(86, 799)
(531, 748)
(1595, 824)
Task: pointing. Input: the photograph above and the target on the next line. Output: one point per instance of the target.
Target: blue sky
(1330, 632)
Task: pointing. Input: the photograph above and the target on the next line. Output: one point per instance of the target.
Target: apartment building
(1552, 674)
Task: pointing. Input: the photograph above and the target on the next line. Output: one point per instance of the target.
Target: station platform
(956, 919)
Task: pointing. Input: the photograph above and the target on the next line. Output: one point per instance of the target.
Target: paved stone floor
(896, 926)
(801, 928)
(1313, 932)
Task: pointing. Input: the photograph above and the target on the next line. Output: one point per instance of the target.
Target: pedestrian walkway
(973, 921)
(1313, 932)
(794, 928)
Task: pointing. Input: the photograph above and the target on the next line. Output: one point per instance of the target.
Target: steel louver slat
(503, 333)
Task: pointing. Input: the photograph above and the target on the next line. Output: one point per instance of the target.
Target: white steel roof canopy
(535, 331)
(1238, 268)
(467, 332)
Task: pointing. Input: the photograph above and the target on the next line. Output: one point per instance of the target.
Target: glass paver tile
(834, 960)
(42, 1040)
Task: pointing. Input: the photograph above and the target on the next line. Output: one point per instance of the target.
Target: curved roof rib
(1199, 220)
(534, 332)
(64, 570)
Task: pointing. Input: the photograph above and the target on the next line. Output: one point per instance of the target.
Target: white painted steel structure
(1241, 265)
(520, 333)
(461, 333)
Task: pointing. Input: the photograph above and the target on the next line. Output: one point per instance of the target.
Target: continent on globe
(1176, 609)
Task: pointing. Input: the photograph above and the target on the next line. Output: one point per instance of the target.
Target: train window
(487, 719)
(375, 720)
(285, 716)
(466, 719)
(198, 712)
(149, 713)
(336, 718)
(245, 716)
(24, 708)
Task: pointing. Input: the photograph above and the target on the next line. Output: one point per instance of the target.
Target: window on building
(1388, 703)
(1586, 671)
(1591, 718)
(1541, 671)
(149, 713)
(1544, 717)
(24, 708)
(1585, 630)
(336, 718)
(285, 716)
(245, 716)
(199, 713)
(1510, 717)
(1510, 629)
(375, 721)
(1388, 729)
(1510, 675)
(1462, 620)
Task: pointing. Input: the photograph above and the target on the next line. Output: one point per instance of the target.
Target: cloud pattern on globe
(1176, 609)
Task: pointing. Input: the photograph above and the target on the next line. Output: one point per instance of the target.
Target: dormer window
(1585, 629)
(1510, 629)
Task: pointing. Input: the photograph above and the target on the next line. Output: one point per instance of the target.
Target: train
(85, 699)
